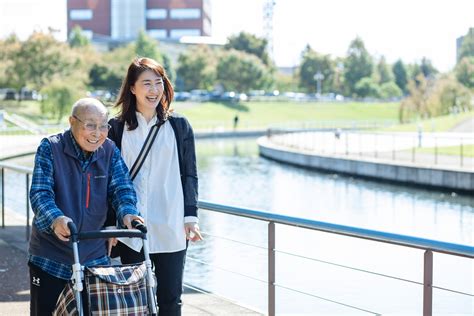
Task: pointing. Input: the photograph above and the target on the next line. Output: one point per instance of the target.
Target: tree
(146, 46)
(427, 68)
(8, 49)
(367, 87)
(338, 82)
(312, 63)
(465, 72)
(101, 77)
(169, 69)
(113, 66)
(432, 97)
(241, 72)
(285, 82)
(401, 76)
(250, 44)
(383, 72)
(448, 95)
(358, 64)
(415, 105)
(40, 59)
(390, 90)
(467, 46)
(58, 98)
(77, 38)
(197, 68)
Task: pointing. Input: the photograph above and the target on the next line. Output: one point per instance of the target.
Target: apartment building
(121, 20)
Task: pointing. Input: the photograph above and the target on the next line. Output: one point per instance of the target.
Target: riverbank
(446, 174)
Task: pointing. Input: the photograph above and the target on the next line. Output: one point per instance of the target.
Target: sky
(397, 29)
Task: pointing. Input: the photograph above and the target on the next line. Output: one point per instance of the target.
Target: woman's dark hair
(127, 101)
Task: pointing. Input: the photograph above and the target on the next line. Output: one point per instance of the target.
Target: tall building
(121, 20)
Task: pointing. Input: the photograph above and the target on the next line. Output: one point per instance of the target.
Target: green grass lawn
(264, 114)
(437, 124)
(251, 114)
(279, 113)
(30, 110)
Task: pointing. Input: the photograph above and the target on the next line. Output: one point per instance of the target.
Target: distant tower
(268, 24)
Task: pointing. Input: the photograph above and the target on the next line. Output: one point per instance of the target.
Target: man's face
(90, 129)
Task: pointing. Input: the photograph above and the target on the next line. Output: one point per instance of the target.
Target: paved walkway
(388, 147)
(466, 126)
(12, 145)
(14, 288)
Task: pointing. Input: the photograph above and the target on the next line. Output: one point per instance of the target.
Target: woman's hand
(192, 231)
(111, 242)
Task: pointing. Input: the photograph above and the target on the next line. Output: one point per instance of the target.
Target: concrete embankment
(455, 179)
(229, 134)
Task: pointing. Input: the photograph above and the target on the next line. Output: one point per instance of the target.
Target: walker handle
(112, 233)
(73, 229)
(139, 225)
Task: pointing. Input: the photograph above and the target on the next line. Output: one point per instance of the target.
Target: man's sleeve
(121, 192)
(42, 189)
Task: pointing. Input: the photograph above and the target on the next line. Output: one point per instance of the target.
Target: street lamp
(318, 77)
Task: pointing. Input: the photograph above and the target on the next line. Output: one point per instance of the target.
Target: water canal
(231, 172)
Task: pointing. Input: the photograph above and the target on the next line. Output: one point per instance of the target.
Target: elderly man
(76, 174)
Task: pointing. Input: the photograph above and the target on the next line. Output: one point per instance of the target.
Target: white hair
(88, 104)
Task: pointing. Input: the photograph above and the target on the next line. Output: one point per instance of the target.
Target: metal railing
(429, 246)
(27, 172)
(400, 146)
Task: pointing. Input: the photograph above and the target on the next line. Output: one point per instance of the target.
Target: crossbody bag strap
(145, 149)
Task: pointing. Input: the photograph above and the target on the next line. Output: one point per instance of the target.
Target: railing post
(428, 284)
(271, 269)
(461, 153)
(347, 143)
(375, 145)
(27, 206)
(393, 146)
(3, 197)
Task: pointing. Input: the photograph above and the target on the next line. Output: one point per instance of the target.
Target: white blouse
(158, 187)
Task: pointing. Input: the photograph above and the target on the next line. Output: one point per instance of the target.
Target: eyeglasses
(92, 127)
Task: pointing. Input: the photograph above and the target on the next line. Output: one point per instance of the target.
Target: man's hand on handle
(128, 219)
(60, 228)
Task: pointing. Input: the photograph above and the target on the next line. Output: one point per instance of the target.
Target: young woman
(166, 184)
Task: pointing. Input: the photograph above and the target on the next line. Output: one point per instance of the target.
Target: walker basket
(111, 290)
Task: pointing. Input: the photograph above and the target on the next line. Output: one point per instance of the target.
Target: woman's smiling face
(148, 89)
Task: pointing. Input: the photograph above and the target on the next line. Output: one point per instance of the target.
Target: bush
(434, 98)
(390, 90)
(448, 95)
(465, 72)
(366, 87)
(58, 98)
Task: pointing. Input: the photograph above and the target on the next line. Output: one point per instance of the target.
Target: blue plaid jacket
(46, 211)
